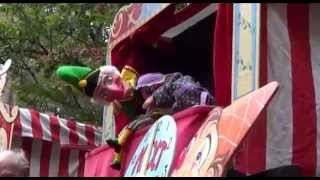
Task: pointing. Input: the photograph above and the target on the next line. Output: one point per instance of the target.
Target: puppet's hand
(148, 103)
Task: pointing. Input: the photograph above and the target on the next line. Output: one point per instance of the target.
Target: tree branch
(45, 51)
(33, 75)
(76, 101)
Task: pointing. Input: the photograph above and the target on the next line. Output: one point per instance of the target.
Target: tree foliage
(41, 37)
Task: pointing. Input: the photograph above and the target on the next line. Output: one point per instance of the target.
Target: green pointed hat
(83, 78)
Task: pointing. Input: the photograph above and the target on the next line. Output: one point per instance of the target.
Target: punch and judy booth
(237, 51)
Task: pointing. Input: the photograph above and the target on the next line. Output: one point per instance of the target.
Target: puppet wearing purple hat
(161, 94)
(165, 94)
(173, 91)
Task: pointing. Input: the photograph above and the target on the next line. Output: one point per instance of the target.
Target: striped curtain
(288, 131)
(54, 146)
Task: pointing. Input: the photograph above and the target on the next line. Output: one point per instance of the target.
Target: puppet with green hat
(105, 85)
(158, 93)
(92, 82)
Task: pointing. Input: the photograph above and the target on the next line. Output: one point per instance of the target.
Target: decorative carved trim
(8, 116)
(3, 139)
(119, 23)
(11, 116)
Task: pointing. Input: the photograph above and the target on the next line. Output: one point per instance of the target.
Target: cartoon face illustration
(202, 148)
(219, 136)
(202, 154)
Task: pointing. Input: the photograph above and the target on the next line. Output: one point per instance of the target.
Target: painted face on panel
(202, 149)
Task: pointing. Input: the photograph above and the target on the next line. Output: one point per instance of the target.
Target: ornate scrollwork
(127, 16)
(3, 139)
(128, 19)
(117, 25)
(8, 116)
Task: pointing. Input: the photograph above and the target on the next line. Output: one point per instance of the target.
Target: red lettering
(155, 149)
(154, 162)
(163, 146)
(137, 165)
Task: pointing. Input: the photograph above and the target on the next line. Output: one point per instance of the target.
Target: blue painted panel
(162, 137)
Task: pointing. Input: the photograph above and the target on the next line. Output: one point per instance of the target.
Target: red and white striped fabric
(54, 146)
(288, 132)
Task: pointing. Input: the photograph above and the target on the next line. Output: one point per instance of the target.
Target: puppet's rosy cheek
(101, 95)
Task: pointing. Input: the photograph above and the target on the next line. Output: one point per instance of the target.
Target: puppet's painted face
(112, 87)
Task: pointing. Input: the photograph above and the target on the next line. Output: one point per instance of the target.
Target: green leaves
(39, 38)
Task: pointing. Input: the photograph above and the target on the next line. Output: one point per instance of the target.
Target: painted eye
(108, 80)
(203, 151)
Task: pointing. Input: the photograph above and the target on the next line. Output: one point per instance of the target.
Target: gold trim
(125, 35)
(85, 78)
(131, 69)
(82, 84)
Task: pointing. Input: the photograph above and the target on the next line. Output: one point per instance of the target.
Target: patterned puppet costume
(171, 92)
(178, 92)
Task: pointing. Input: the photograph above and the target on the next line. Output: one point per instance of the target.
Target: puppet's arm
(163, 96)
